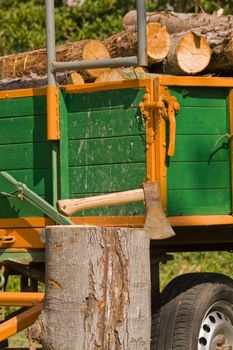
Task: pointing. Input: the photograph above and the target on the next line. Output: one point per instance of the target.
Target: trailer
(111, 137)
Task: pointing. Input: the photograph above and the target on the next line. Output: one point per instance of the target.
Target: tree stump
(97, 290)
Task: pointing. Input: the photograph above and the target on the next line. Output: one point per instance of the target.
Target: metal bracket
(168, 107)
(54, 66)
(171, 107)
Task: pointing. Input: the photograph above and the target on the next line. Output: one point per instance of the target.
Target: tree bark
(33, 63)
(189, 54)
(27, 82)
(179, 22)
(97, 290)
(220, 39)
(125, 43)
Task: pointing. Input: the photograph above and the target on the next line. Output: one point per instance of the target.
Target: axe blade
(156, 222)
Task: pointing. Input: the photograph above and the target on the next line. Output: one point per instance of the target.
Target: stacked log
(120, 74)
(33, 63)
(125, 43)
(195, 37)
(181, 22)
(189, 54)
(182, 44)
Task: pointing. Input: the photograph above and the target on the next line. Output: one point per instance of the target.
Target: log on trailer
(190, 53)
(125, 43)
(120, 74)
(179, 22)
(220, 39)
(97, 279)
(206, 49)
(33, 63)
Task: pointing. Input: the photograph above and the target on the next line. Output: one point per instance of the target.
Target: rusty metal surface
(156, 222)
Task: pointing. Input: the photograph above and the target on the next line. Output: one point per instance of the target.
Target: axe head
(156, 222)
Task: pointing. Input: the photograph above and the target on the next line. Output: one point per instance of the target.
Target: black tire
(183, 306)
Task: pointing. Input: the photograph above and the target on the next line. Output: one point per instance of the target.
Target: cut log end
(189, 54)
(121, 74)
(158, 42)
(94, 50)
(193, 53)
(110, 75)
(125, 43)
(75, 78)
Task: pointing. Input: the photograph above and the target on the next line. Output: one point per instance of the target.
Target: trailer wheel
(195, 313)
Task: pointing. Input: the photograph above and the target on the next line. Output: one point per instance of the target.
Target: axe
(156, 222)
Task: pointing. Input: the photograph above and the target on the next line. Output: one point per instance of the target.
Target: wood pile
(177, 43)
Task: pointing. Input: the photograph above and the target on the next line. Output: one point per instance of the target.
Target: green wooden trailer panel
(24, 152)
(102, 150)
(106, 146)
(199, 175)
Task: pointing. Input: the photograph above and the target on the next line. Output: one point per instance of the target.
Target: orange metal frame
(23, 319)
(53, 127)
(20, 322)
(20, 298)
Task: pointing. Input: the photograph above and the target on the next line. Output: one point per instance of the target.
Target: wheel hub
(216, 331)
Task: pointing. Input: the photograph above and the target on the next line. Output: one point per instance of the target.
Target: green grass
(221, 262)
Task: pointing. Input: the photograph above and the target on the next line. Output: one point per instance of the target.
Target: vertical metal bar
(50, 40)
(51, 56)
(142, 33)
(55, 172)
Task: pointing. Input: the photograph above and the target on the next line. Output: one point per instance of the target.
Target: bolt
(176, 106)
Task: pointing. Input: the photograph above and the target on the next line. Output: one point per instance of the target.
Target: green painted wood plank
(25, 156)
(14, 208)
(38, 180)
(202, 121)
(107, 151)
(23, 129)
(108, 123)
(198, 175)
(64, 156)
(199, 202)
(200, 96)
(200, 147)
(106, 178)
(120, 98)
(25, 106)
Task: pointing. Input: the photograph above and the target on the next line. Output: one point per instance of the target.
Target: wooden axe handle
(70, 206)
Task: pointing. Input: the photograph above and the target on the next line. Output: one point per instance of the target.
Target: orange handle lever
(172, 131)
(172, 107)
